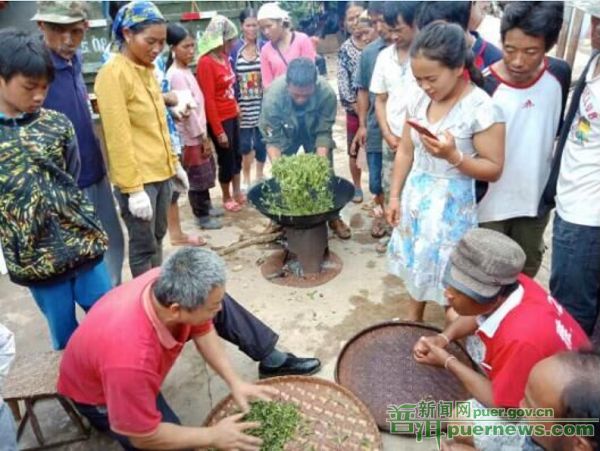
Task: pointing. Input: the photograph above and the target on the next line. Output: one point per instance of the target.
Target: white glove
(140, 205)
(185, 103)
(180, 182)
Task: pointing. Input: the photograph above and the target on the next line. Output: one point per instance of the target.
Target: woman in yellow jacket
(142, 163)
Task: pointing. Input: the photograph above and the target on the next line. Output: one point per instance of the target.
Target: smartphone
(420, 129)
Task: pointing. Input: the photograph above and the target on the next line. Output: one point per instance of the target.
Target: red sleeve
(205, 74)
(510, 369)
(130, 395)
(202, 329)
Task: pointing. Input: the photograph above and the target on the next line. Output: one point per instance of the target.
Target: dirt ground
(315, 321)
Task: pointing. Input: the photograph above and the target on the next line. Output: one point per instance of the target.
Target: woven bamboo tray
(377, 365)
(334, 419)
(32, 375)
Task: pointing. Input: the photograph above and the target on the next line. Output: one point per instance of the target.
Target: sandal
(378, 228)
(358, 196)
(187, 240)
(240, 198)
(340, 228)
(382, 245)
(232, 206)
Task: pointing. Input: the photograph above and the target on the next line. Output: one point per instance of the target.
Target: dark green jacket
(48, 227)
(279, 121)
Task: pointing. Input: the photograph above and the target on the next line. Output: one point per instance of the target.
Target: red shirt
(527, 328)
(120, 355)
(216, 81)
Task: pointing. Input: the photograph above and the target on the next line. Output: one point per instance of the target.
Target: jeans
(251, 139)
(575, 272)
(98, 418)
(529, 234)
(375, 164)
(57, 301)
(101, 196)
(145, 237)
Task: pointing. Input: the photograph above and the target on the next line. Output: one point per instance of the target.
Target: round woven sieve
(333, 418)
(377, 365)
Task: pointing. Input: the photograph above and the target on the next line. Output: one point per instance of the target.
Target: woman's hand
(223, 140)
(207, 148)
(443, 148)
(392, 212)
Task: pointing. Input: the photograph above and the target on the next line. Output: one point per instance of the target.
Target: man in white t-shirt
(575, 275)
(392, 82)
(531, 89)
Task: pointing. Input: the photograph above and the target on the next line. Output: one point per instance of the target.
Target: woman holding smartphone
(432, 199)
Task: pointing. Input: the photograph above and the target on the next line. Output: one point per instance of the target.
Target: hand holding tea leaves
(229, 434)
(243, 392)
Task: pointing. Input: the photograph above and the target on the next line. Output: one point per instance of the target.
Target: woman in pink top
(197, 151)
(284, 44)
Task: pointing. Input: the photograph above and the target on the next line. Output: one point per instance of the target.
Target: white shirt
(532, 117)
(578, 189)
(394, 78)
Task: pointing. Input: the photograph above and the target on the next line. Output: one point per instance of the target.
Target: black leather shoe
(292, 365)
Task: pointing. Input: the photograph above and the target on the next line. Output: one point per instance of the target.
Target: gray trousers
(101, 196)
(145, 237)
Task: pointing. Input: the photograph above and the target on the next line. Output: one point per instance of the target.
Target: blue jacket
(68, 95)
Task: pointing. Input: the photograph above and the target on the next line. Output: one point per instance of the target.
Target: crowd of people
(469, 147)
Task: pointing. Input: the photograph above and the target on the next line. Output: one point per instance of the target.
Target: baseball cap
(482, 263)
(63, 12)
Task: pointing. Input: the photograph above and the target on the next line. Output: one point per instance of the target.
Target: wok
(343, 192)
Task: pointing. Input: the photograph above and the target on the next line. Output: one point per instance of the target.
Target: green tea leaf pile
(278, 423)
(304, 189)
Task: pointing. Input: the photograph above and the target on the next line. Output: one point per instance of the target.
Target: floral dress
(438, 204)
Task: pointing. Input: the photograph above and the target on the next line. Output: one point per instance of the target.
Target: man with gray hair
(511, 322)
(116, 361)
(299, 109)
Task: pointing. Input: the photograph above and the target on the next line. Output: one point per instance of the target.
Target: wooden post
(574, 37)
(561, 45)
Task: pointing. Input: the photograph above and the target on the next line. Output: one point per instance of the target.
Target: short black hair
(24, 53)
(247, 13)
(581, 397)
(457, 12)
(538, 19)
(301, 72)
(176, 33)
(375, 7)
(406, 9)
